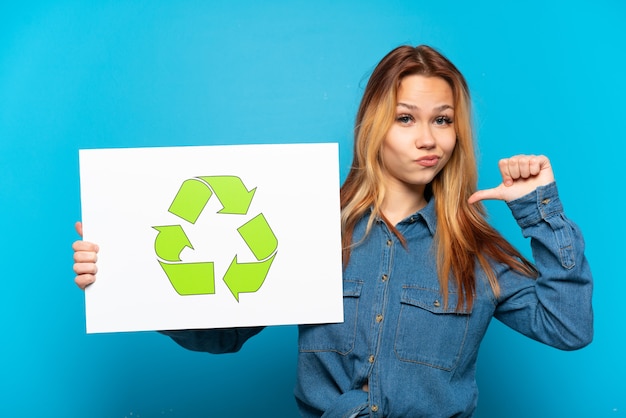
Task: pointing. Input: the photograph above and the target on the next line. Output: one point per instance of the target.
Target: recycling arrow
(194, 194)
(170, 242)
(190, 278)
(259, 237)
(199, 278)
(232, 193)
(246, 277)
(190, 200)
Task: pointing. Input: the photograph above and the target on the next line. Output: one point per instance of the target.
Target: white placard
(213, 236)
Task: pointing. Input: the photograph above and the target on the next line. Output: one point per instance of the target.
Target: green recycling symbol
(198, 278)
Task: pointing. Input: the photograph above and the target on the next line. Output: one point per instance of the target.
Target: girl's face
(422, 138)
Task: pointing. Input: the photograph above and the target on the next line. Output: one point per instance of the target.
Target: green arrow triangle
(246, 277)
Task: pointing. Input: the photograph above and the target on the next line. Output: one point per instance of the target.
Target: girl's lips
(428, 161)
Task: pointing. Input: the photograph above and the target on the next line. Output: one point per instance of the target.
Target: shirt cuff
(537, 205)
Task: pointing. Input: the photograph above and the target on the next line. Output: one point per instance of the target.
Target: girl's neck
(402, 202)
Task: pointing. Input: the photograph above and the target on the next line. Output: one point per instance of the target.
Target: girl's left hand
(521, 175)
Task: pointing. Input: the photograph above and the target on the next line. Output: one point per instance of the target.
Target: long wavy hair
(463, 236)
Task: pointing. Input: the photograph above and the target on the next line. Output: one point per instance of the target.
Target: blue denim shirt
(418, 356)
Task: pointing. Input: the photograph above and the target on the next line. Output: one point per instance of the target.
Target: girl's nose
(424, 137)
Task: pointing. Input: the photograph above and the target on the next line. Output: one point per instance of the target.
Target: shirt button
(545, 201)
(389, 243)
(384, 278)
(371, 358)
(374, 408)
(379, 318)
(437, 304)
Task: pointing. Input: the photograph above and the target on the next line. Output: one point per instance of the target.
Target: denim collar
(427, 213)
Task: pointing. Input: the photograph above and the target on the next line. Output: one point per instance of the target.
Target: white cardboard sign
(212, 237)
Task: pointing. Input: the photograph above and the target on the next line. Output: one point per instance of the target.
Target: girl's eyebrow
(413, 107)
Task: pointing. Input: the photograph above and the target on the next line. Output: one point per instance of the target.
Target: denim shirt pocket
(428, 332)
(338, 337)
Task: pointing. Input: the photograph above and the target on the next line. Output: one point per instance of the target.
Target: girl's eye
(405, 119)
(443, 120)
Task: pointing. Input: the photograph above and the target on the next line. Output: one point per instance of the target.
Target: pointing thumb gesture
(521, 174)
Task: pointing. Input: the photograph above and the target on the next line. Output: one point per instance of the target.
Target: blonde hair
(463, 236)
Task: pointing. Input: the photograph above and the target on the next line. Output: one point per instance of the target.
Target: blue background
(546, 77)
